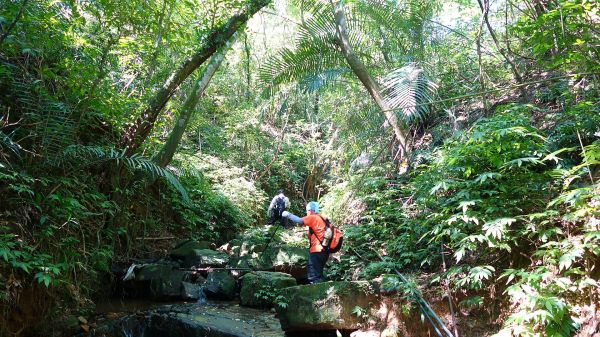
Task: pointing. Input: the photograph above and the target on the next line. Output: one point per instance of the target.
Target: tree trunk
(363, 75)
(135, 134)
(164, 156)
(480, 63)
(248, 74)
(485, 9)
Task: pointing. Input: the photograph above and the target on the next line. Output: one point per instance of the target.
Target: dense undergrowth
(495, 201)
(512, 202)
(64, 221)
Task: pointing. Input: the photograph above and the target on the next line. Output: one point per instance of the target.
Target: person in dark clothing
(318, 255)
(278, 205)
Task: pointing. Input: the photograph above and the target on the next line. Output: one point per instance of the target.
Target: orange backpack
(333, 238)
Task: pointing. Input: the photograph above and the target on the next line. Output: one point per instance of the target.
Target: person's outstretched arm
(292, 217)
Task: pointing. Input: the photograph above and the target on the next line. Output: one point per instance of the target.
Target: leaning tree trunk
(135, 134)
(363, 75)
(164, 156)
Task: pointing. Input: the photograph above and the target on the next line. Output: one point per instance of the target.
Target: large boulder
(152, 271)
(157, 281)
(220, 284)
(325, 306)
(288, 259)
(260, 288)
(195, 254)
(185, 248)
(190, 291)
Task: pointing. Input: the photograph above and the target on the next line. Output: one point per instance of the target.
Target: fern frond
(136, 162)
(52, 127)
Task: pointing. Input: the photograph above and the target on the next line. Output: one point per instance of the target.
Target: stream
(205, 318)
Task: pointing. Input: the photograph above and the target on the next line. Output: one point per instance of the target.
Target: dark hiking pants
(316, 263)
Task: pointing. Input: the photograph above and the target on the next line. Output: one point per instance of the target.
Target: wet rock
(259, 289)
(220, 284)
(190, 291)
(288, 259)
(168, 285)
(194, 321)
(325, 306)
(156, 281)
(184, 248)
(194, 253)
(205, 258)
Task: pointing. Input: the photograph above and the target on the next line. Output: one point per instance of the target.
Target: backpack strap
(311, 232)
(327, 225)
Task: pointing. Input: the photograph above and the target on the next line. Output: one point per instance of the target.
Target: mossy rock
(220, 285)
(186, 248)
(153, 271)
(288, 259)
(325, 306)
(242, 265)
(168, 286)
(259, 288)
(157, 281)
(205, 258)
(190, 291)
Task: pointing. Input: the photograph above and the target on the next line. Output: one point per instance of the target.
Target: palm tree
(335, 41)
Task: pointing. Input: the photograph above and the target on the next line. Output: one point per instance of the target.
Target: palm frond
(294, 65)
(315, 81)
(409, 90)
(316, 60)
(320, 29)
(136, 162)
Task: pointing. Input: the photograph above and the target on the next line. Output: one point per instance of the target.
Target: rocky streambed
(238, 291)
(194, 320)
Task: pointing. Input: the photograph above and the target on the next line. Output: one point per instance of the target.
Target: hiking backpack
(279, 206)
(333, 238)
